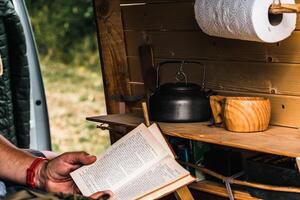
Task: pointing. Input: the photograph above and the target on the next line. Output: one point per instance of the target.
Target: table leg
(183, 193)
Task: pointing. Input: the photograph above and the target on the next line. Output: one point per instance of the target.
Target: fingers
(61, 166)
(57, 172)
(81, 158)
(103, 195)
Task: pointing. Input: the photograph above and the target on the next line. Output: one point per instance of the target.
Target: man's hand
(54, 176)
(105, 195)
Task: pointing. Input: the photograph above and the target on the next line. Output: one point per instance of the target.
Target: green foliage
(65, 30)
(66, 38)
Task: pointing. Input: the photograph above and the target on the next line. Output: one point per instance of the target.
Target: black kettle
(180, 101)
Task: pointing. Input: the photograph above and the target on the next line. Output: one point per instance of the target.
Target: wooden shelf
(220, 190)
(276, 140)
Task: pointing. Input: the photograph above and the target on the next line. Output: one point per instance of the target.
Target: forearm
(13, 162)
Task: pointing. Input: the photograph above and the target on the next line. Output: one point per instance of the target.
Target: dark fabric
(26, 194)
(15, 83)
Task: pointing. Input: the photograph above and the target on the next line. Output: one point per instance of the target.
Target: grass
(73, 93)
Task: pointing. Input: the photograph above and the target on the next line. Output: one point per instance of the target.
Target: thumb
(81, 158)
(103, 195)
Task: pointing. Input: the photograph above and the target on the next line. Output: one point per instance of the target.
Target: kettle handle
(180, 72)
(180, 75)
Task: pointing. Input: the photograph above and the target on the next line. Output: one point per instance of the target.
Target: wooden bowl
(246, 114)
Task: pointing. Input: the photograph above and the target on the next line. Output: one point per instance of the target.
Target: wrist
(36, 177)
(41, 177)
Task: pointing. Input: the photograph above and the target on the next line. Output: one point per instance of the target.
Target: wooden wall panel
(112, 51)
(233, 67)
(163, 15)
(281, 79)
(284, 109)
(279, 82)
(195, 45)
(269, 78)
(287, 51)
(141, 17)
(177, 35)
(135, 69)
(167, 72)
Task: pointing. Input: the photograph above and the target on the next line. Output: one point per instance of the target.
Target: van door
(39, 123)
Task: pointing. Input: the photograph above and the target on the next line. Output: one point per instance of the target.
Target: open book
(138, 166)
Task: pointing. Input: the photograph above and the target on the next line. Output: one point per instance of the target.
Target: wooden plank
(253, 77)
(135, 69)
(167, 72)
(194, 45)
(112, 51)
(189, 42)
(197, 45)
(162, 15)
(128, 120)
(276, 140)
(285, 109)
(220, 190)
(279, 82)
(286, 51)
(183, 193)
(147, 67)
(137, 90)
(268, 78)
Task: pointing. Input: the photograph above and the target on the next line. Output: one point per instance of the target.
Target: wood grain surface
(276, 140)
(220, 190)
(112, 51)
(216, 105)
(284, 8)
(183, 193)
(270, 70)
(246, 114)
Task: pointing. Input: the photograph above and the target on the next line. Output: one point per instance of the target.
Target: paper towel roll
(244, 20)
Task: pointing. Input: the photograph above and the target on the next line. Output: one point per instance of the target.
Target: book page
(129, 156)
(160, 138)
(157, 176)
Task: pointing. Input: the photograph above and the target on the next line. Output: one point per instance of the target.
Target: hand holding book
(138, 166)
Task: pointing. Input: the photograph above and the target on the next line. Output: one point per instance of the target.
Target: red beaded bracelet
(31, 171)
